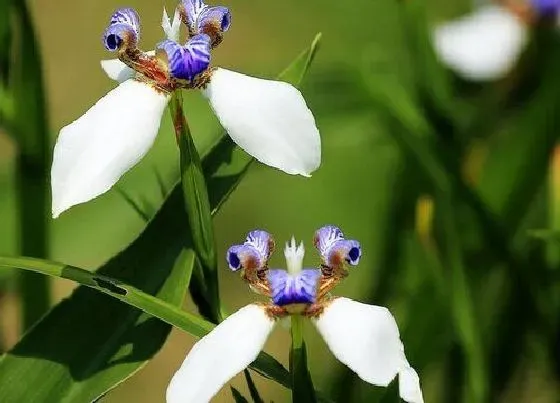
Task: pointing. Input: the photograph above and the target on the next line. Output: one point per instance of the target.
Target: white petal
(94, 151)
(268, 119)
(409, 386)
(483, 45)
(171, 29)
(220, 355)
(366, 339)
(118, 71)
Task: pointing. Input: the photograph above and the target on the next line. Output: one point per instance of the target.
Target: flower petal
(366, 339)
(334, 249)
(123, 30)
(186, 62)
(253, 254)
(287, 289)
(118, 71)
(219, 16)
(409, 386)
(192, 10)
(220, 355)
(268, 119)
(94, 151)
(483, 45)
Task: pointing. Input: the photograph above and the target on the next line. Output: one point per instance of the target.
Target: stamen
(294, 256)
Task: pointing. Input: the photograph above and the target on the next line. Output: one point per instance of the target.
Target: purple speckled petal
(548, 8)
(325, 237)
(215, 15)
(123, 29)
(288, 289)
(262, 241)
(193, 9)
(185, 62)
(253, 254)
(127, 16)
(334, 249)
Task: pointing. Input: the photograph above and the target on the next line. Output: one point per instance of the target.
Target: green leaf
(252, 388)
(197, 207)
(89, 342)
(462, 308)
(158, 308)
(296, 71)
(237, 396)
(29, 124)
(81, 348)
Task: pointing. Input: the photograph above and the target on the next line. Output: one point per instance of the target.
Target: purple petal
(253, 254)
(325, 237)
(289, 289)
(193, 9)
(334, 249)
(124, 28)
(262, 241)
(547, 8)
(186, 62)
(220, 16)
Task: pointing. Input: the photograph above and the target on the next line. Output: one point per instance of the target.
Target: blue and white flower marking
(268, 119)
(486, 44)
(364, 337)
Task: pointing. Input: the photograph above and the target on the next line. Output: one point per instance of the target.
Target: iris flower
(486, 44)
(268, 119)
(364, 337)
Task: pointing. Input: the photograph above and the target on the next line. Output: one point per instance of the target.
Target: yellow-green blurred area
(366, 185)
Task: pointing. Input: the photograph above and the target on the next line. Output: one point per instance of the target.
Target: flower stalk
(197, 205)
(302, 384)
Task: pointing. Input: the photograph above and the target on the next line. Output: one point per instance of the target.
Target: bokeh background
(496, 139)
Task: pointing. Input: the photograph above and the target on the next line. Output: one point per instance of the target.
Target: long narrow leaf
(130, 295)
(197, 207)
(32, 164)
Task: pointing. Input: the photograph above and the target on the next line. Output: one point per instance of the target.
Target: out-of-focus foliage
(452, 187)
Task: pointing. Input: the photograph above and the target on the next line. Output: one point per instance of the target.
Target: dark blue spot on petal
(113, 42)
(234, 261)
(354, 254)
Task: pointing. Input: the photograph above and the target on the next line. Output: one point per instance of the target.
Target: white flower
(363, 337)
(268, 119)
(484, 45)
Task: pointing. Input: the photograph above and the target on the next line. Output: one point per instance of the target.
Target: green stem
(302, 385)
(199, 213)
(297, 332)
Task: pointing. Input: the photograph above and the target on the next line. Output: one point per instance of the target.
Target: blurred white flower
(484, 45)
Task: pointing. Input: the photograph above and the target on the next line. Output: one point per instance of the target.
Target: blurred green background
(370, 94)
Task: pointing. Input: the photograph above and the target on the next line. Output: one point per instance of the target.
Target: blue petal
(289, 289)
(186, 62)
(334, 249)
(253, 254)
(123, 29)
(214, 15)
(117, 35)
(193, 9)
